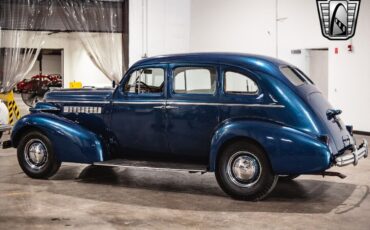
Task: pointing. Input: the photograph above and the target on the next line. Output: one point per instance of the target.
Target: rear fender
(70, 141)
(290, 151)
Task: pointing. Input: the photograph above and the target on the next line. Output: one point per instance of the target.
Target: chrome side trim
(138, 102)
(79, 102)
(154, 165)
(44, 110)
(196, 103)
(227, 104)
(169, 103)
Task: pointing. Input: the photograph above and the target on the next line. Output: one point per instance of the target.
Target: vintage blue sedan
(247, 118)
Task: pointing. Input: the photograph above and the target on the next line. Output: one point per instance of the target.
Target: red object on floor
(336, 50)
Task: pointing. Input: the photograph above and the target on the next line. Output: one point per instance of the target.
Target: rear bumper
(354, 156)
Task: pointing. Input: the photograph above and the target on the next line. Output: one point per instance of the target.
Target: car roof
(257, 62)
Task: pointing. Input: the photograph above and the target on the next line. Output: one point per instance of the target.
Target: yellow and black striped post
(11, 110)
(12, 106)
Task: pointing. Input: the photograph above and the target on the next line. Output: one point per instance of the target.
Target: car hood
(79, 95)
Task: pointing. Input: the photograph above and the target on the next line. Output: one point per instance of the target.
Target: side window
(146, 81)
(194, 80)
(236, 83)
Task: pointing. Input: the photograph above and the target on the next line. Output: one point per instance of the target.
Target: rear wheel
(36, 156)
(244, 172)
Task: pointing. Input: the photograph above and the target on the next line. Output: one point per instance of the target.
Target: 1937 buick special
(248, 118)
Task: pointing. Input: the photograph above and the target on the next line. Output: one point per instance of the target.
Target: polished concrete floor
(86, 197)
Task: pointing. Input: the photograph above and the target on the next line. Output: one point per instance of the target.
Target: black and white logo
(338, 18)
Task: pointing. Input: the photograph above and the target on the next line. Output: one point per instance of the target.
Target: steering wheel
(142, 86)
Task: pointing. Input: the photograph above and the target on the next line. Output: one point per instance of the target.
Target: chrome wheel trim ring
(36, 154)
(244, 169)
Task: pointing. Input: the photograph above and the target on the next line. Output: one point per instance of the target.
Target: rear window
(294, 76)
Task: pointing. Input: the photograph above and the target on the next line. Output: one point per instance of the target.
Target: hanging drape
(103, 48)
(21, 42)
(97, 24)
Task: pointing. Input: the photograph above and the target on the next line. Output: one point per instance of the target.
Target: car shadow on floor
(184, 191)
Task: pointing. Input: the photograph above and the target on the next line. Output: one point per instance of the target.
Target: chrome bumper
(353, 157)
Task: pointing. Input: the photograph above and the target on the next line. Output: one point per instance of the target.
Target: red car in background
(39, 84)
(33, 90)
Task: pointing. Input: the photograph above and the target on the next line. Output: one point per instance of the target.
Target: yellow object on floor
(75, 85)
(8, 98)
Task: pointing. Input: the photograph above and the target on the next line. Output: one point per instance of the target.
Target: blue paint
(71, 142)
(287, 121)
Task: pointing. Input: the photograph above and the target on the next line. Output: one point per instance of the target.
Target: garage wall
(51, 65)
(158, 27)
(235, 25)
(249, 26)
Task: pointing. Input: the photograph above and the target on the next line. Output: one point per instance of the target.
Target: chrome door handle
(171, 107)
(159, 107)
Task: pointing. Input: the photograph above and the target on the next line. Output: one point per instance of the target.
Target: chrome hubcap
(35, 154)
(244, 169)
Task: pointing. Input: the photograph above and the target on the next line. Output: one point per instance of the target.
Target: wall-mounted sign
(338, 18)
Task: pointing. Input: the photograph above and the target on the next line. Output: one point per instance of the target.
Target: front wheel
(36, 156)
(244, 172)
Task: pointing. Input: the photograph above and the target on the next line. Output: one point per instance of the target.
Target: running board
(153, 165)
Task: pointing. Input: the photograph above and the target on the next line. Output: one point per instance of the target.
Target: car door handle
(171, 107)
(159, 107)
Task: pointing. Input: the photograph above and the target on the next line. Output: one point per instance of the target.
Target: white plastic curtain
(19, 49)
(104, 49)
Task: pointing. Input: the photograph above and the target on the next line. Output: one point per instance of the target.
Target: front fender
(290, 151)
(70, 141)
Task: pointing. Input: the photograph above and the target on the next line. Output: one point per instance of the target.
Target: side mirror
(114, 84)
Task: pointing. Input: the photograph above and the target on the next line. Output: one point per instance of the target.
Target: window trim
(207, 67)
(239, 94)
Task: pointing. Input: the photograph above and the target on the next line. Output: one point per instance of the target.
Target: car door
(192, 111)
(138, 114)
(241, 94)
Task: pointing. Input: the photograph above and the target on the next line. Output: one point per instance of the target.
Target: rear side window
(294, 76)
(194, 80)
(236, 83)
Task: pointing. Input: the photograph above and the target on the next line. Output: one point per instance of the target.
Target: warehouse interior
(110, 37)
